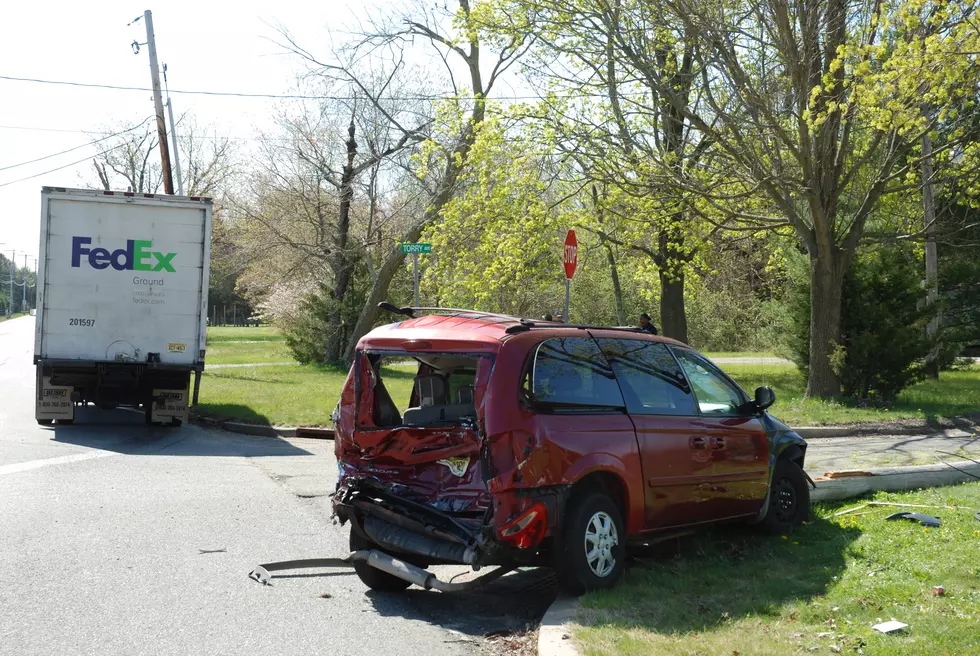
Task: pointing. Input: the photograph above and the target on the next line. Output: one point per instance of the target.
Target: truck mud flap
(53, 401)
(379, 560)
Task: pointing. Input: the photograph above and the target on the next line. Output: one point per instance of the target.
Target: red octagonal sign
(571, 254)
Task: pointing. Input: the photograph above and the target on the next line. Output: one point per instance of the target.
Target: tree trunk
(342, 266)
(672, 311)
(826, 290)
(617, 288)
(379, 290)
(670, 262)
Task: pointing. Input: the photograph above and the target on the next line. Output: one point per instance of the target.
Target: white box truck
(122, 300)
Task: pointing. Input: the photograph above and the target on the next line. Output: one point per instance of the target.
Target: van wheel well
(794, 454)
(605, 482)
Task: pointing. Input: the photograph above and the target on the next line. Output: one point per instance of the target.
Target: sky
(214, 45)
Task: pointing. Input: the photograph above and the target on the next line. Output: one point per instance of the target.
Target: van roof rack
(520, 324)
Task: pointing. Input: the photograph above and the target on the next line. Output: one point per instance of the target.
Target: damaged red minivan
(480, 439)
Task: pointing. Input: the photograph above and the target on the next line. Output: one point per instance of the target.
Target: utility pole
(168, 180)
(23, 302)
(10, 298)
(173, 135)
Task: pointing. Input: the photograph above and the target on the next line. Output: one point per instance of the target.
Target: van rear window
(421, 389)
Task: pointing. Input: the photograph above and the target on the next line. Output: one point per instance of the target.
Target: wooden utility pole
(168, 179)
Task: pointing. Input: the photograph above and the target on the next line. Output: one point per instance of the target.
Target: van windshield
(420, 389)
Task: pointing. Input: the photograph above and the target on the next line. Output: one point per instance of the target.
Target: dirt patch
(512, 643)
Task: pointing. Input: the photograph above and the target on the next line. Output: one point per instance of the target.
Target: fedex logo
(131, 258)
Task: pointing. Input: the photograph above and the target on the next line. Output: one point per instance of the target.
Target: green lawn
(286, 396)
(741, 354)
(235, 345)
(956, 393)
(818, 590)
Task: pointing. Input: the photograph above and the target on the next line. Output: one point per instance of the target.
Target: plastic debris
(925, 520)
(890, 627)
(939, 591)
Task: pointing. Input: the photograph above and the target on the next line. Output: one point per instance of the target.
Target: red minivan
(479, 439)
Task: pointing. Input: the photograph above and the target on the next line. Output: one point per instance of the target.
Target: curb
(846, 485)
(554, 638)
(817, 432)
(260, 430)
(806, 432)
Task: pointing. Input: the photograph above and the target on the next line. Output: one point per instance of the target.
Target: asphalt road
(103, 523)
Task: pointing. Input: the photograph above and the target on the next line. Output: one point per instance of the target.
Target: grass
(286, 395)
(956, 393)
(235, 345)
(16, 315)
(741, 354)
(818, 590)
(306, 395)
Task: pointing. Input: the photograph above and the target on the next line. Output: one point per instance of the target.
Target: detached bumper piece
(384, 562)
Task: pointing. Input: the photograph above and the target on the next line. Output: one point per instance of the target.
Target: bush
(883, 323)
(314, 334)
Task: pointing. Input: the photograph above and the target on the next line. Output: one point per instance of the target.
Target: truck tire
(370, 576)
(45, 422)
(590, 553)
(789, 499)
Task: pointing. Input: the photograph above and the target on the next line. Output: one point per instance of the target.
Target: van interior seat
(434, 405)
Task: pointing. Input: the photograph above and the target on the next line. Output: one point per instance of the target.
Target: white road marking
(47, 462)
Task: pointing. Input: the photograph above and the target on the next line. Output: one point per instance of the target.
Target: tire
(370, 576)
(66, 422)
(789, 499)
(45, 422)
(592, 524)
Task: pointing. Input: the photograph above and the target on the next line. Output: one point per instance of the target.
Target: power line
(63, 152)
(37, 175)
(283, 96)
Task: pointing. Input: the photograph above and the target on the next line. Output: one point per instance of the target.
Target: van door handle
(718, 443)
(698, 442)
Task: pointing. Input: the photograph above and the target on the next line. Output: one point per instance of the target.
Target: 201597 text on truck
(544, 444)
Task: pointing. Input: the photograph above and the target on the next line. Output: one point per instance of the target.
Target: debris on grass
(846, 512)
(925, 520)
(890, 627)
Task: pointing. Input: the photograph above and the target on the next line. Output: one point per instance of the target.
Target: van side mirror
(764, 397)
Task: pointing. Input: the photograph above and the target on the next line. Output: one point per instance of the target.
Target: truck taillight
(528, 529)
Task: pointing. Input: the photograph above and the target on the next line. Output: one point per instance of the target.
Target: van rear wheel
(591, 551)
(371, 576)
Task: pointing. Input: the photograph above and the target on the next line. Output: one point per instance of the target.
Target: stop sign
(571, 254)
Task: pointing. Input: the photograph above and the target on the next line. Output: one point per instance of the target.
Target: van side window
(571, 373)
(651, 380)
(717, 396)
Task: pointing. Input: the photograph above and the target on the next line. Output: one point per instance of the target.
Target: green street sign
(416, 248)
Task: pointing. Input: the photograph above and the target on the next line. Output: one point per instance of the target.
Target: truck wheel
(789, 499)
(591, 551)
(370, 576)
(45, 422)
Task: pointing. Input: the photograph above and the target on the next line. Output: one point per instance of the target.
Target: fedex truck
(122, 294)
